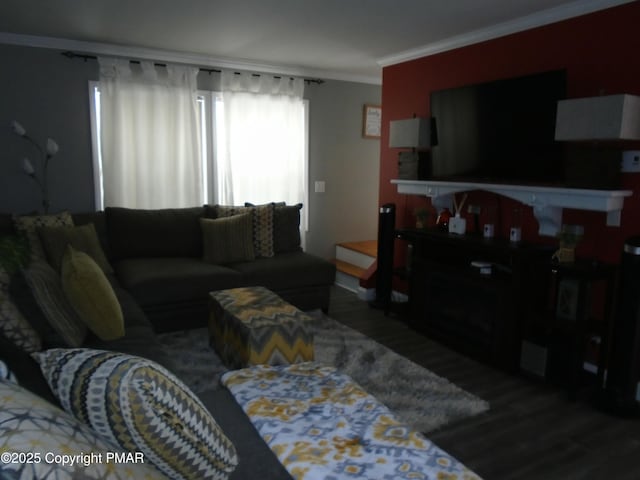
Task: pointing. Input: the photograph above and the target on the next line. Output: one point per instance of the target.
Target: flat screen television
(499, 132)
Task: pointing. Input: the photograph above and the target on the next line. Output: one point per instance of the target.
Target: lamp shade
(410, 133)
(610, 117)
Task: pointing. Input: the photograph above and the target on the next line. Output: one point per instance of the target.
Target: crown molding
(169, 56)
(539, 19)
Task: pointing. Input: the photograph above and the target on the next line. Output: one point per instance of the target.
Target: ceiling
(332, 39)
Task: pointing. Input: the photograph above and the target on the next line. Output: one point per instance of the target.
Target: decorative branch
(45, 154)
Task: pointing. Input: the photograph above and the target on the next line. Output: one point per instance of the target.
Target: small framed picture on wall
(371, 121)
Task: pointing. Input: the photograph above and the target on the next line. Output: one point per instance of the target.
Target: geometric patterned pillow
(229, 210)
(32, 426)
(262, 225)
(140, 406)
(263, 228)
(13, 324)
(28, 225)
(14, 254)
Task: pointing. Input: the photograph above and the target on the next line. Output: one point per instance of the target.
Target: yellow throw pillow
(91, 295)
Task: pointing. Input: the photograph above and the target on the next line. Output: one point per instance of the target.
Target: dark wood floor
(532, 431)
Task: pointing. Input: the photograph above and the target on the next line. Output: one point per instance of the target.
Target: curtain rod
(71, 55)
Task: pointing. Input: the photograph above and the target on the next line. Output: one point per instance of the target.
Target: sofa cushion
(99, 220)
(162, 281)
(30, 425)
(28, 225)
(171, 232)
(286, 228)
(251, 448)
(262, 224)
(83, 238)
(91, 294)
(47, 290)
(14, 255)
(140, 406)
(139, 335)
(276, 273)
(24, 299)
(228, 239)
(263, 228)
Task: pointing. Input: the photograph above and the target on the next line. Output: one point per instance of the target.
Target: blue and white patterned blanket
(324, 426)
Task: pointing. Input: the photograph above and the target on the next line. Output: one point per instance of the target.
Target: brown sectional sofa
(158, 259)
(162, 284)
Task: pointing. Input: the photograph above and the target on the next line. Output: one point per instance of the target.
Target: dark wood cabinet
(480, 314)
(575, 321)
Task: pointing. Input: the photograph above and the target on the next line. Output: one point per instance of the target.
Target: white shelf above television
(547, 202)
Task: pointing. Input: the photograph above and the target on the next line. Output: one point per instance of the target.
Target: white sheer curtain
(150, 138)
(260, 140)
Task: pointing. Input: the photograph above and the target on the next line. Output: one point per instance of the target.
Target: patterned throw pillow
(227, 239)
(29, 225)
(263, 228)
(14, 254)
(229, 210)
(91, 295)
(140, 406)
(83, 238)
(33, 429)
(46, 287)
(262, 225)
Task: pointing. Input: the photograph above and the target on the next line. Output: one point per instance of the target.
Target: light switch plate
(319, 186)
(631, 161)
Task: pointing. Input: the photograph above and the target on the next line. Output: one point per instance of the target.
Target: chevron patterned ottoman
(254, 326)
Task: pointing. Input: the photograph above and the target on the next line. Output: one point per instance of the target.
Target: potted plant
(422, 215)
(569, 236)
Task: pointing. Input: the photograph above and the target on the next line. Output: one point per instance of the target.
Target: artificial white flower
(18, 129)
(46, 153)
(27, 167)
(52, 147)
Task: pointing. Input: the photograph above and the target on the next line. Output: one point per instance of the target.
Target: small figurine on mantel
(569, 236)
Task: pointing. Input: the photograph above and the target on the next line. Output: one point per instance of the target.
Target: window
(218, 174)
(94, 107)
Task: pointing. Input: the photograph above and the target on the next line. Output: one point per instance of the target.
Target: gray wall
(348, 163)
(48, 94)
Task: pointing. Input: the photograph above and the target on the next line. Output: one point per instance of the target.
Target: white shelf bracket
(614, 217)
(549, 219)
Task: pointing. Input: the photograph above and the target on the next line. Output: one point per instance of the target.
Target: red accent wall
(601, 54)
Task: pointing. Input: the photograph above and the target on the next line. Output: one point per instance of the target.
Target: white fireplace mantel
(547, 202)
